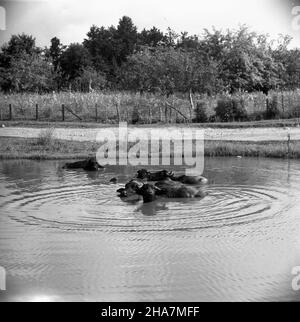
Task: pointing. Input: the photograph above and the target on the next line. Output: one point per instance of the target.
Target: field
(113, 107)
(47, 148)
(104, 109)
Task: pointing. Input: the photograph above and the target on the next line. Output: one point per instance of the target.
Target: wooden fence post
(118, 111)
(150, 115)
(36, 112)
(127, 114)
(289, 144)
(160, 113)
(96, 113)
(106, 116)
(10, 112)
(63, 112)
(282, 102)
(166, 114)
(267, 102)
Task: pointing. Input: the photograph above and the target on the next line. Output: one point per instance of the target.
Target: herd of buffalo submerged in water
(150, 185)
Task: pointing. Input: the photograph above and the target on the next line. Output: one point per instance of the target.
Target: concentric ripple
(82, 204)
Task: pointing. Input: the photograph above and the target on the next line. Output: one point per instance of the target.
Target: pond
(67, 236)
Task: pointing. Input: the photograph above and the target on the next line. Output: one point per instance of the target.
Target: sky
(70, 20)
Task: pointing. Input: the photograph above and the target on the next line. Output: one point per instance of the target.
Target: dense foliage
(123, 58)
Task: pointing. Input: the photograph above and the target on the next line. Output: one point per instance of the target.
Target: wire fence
(111, 108)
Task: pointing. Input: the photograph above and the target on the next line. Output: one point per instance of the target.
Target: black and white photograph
(149, 153)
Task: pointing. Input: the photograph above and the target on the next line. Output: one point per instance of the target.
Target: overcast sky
(70, 20)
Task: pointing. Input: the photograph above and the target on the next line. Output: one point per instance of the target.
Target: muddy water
(65, 235)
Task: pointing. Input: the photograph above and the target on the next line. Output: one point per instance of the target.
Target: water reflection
(152, 208)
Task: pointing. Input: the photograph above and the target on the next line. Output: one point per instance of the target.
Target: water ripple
(66, 235)
(95, 206)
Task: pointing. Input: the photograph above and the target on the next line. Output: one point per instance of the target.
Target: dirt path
(90, 134)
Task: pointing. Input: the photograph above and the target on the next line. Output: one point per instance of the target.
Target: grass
(252, 149)
(46, 137)
(36, 149)
(113, 107)
(295, 122)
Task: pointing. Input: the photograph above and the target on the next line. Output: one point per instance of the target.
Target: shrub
(257, 116)
(212, 119)
(231, 109)
(223, 110)
(295, 112)
(239, 110)
(200, 113)
(135, 117)
(272, 111)
(46, 137)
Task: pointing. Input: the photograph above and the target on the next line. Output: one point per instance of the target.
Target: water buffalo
(193, 180)
(131, 188)
(164, 174)
(90, 164)
(168, 189)
(154, 176)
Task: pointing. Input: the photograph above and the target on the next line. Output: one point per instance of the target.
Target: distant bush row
(152, 61)
(234, 110)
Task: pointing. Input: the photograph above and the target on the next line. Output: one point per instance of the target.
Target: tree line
(121, 58)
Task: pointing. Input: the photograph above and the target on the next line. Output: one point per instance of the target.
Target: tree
(167, 70)
(292, 69)
(55, 51)
(18, 57)
(30, 73)
(126, 37)
(110, 47)
(235, 60)
(289, 60)
(17, 46)
(244, 59)
(171, 38)
(151, 38)
(188, 42)
(101, 45)
(74, 60)
(88, 80)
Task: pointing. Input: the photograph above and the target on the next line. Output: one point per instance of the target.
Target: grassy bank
(37, 149)
(44, 149)
(112, 107)
(295, 122)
